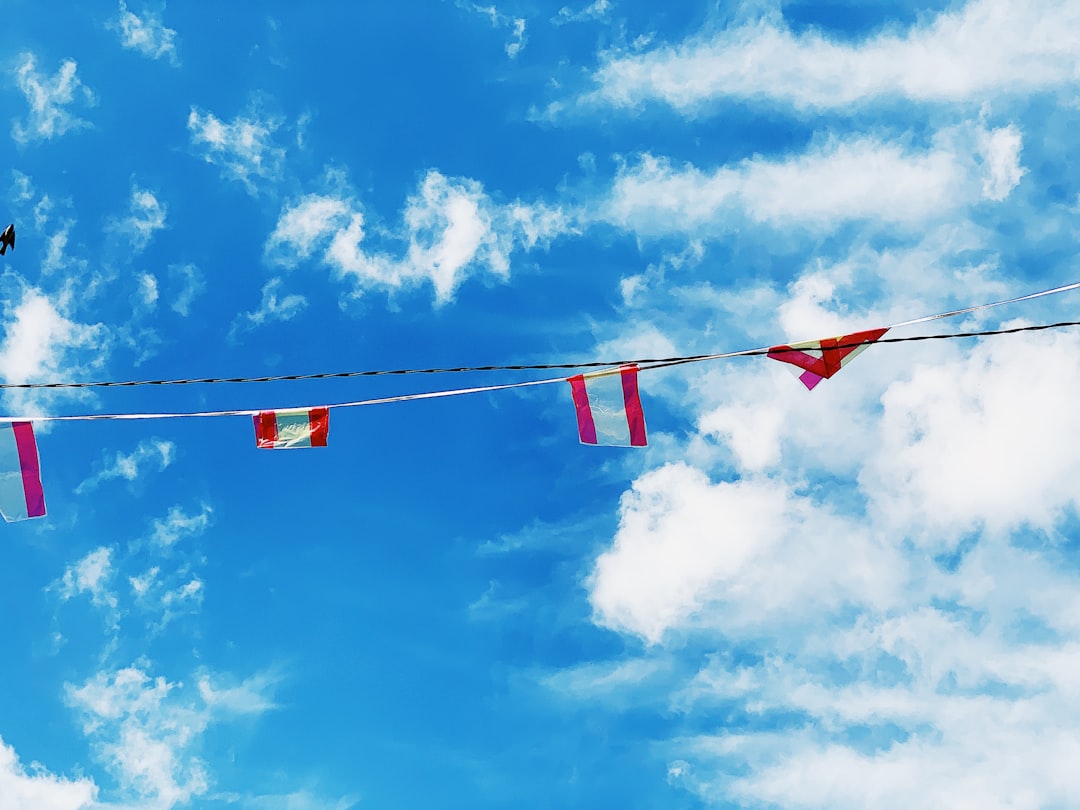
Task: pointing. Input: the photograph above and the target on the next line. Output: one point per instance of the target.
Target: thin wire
(656, 362)
(794, 348)
(643, 365)
(90, 417)
(1028, 297)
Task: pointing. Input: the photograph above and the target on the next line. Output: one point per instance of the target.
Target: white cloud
(55, 257)
(177, 525)
(147, 215)
(38, 789)
(22, 187)
(40, 344)
(594, 11)
(90, 575)
(147, 294)
(853, 180)
(147, 34)
(887, 586)
(981, 441)
(985, 47)
(451, 228)
(243, 148)
(147, 729)
(735, 552)
(142, 584)
(271, 309)
(303, 226)
(516, 25)
(191, 284)
(250, 696)
(1000, 150)
(130, 466)
(49, 100)
(297, 800)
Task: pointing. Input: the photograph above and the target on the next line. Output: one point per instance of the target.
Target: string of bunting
(607, 402)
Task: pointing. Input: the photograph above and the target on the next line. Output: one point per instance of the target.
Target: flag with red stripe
(295, 427)
(21, 495)
(609, 408)
(821, 359)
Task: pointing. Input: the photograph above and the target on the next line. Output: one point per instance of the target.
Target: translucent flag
(296, 427)
(609, 408)
(821, 359)
(21, 495)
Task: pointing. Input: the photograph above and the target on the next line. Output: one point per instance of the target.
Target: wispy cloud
(178, 524)
(146, 729)
(244, 148)
(594, 11)
(451, 229)
(90, 575)
(49, 100)
(146, 216)
(146, 34)
(273, 308)
(515, 25)
(150, 453)
(191, 283)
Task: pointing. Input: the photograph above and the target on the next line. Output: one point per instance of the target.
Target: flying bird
(7, 239)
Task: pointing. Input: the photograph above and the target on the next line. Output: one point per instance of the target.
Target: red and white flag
(21, 495)
(609, 408)
(296, 427)
(821, 359)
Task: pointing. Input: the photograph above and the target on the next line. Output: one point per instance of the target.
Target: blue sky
(863, 596)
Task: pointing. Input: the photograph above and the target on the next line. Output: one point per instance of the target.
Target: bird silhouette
(7, 239)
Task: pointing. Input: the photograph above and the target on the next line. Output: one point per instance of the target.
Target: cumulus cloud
(687, 547)
(961, 55)
(859, 179)
(244, 148)
(35, 788)
(1000, 151)
(146, 34)
(49, 100)
(451, 228)
(41, 344)
(148, 454)
(982, 441)
(876, 574)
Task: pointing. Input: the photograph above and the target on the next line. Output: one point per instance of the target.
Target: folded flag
(609, 408)
(821, 359)
(296, 427)
(21, 495)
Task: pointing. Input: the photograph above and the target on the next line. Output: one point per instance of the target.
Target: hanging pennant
(609, 408)
(21, 495)
(296, 427)
(821, 359)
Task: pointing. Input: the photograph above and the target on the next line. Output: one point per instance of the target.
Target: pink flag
(21, 495)
(609, 408)
(297, 427)
(821, 359)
